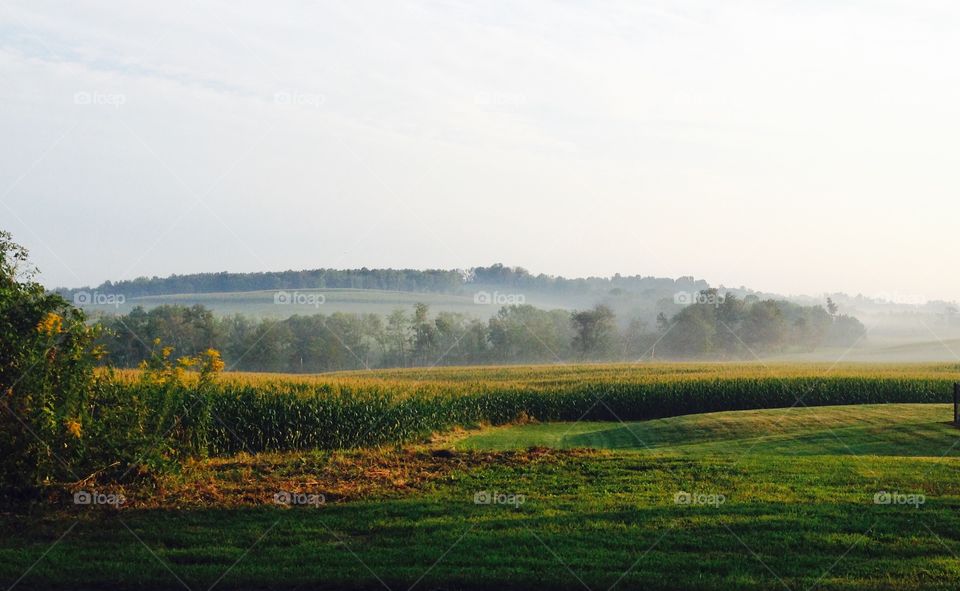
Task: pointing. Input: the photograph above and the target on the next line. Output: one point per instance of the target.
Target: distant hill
(452, 281)
(478, 292)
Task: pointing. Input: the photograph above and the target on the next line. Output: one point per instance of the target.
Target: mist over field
(463, 316)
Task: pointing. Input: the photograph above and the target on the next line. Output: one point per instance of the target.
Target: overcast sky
(793, 146)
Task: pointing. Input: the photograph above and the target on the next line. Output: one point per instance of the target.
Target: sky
(796, 147)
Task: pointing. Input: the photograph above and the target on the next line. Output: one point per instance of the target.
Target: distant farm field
(282, 303)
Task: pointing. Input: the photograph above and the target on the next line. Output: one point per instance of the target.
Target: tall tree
(594, 331)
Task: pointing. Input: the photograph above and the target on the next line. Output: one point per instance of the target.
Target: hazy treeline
(409, 280)
(714, 327)
(727, 326)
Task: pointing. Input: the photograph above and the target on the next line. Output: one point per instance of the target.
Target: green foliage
(716, 326)
(595, 330)
(404, 280)
(724, 326)
(62, 421)
(46, 380)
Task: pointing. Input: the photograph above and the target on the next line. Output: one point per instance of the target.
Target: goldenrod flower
(213, 361)
(51, 324)
(74, 427)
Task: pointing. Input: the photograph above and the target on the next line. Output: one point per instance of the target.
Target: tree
(526, 334)
(637, 340)
(594, 331)
(832, 307)
(663, 323)
(692, 331)
(847, 331)
(730, 313)
(424, 336)
(764, 327)
(398, 337)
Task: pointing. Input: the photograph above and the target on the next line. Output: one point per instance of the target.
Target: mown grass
(884, 429)
(590, 519)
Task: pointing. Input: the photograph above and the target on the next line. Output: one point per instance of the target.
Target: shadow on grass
(442, 543)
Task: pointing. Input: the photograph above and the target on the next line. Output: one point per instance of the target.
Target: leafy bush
(63, 421)
(46, 380)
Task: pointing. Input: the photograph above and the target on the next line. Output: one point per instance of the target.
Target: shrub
(46, 380)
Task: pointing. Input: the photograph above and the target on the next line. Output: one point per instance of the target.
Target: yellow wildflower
(213, 361)
(74, 427)
(51, 324)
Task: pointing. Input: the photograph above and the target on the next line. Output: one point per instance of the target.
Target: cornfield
(271, 412)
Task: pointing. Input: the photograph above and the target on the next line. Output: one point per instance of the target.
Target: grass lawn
(874, 429)
(767, 499)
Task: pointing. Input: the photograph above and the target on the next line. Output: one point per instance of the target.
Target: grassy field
(263, 303)
(917, 430)
(792, 499)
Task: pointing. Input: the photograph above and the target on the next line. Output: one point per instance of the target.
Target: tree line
(715, 326)
(407, 280)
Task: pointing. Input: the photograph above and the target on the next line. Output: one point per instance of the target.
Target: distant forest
(408, 280)
(713, 326)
